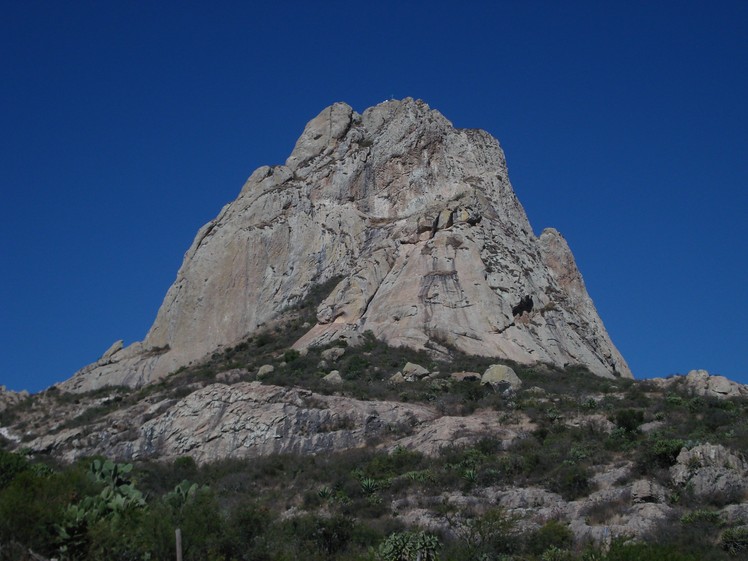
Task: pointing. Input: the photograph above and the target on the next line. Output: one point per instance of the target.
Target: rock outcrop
(420, 221)
(251, 419)
(712, 473)
(532, 507)
(701, 383)
(9, 398)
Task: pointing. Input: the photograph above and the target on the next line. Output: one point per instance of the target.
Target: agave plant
(369, 486)
(325, 493)
(470, 475)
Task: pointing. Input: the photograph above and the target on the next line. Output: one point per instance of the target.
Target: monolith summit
(419, 221)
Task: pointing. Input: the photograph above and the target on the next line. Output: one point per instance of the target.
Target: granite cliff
(419, 220)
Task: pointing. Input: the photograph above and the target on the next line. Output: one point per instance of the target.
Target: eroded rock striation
(421, 221)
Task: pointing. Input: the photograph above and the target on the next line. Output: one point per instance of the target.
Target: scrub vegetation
(359, 505)
(346, 506)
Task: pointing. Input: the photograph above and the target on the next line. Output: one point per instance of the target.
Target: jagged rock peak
(419, 218)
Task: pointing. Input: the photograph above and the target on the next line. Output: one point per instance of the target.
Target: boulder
(332, 354)
(499, 374)
(651, 426)
(333, 378)
(264, 370)
(701, 383)
(412, 372)
(397, 378)
(735, 514)
(232, 376)
(115, 348)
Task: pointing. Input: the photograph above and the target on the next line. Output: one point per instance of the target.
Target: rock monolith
(418, 219)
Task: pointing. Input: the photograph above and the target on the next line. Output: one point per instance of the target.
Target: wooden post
(179, 544)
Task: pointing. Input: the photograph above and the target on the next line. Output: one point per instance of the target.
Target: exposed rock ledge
(249, 419)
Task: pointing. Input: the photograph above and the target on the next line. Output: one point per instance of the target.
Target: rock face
(422, 223)
(712, 472)
(251, 419)
(647, 491)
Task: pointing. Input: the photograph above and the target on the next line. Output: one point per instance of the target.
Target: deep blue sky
(127, 125)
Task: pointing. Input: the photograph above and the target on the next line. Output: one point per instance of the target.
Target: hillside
(562, 465)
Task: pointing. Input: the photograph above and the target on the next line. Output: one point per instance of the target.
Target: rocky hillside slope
(419, 221)
(401, 438)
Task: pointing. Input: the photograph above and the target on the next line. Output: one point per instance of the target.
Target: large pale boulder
(397, 378)
(412, 372)
(116, 347)
(333, 378)
(420, 221)
(332, 354)
(703, 383)
(498, 374)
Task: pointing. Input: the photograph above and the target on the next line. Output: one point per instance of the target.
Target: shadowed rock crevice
(525, 305)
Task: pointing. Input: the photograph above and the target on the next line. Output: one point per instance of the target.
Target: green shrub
(571, 481)
(315, 536)
(398, 462)
(701, 516)
(620, 551)
(202, 525)
(553, 534)
(658, 453)
(32, 505)
(409, 546)
(554, 553)
(11, 465)
(735, 541)
(487, 536)
(629, 420)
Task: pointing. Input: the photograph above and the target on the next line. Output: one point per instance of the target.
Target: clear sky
(126, 125)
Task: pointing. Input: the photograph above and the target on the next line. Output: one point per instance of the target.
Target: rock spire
(421, 221)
